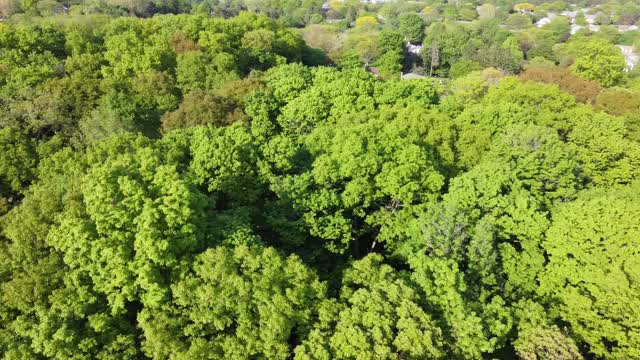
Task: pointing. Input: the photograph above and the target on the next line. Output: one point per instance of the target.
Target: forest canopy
(221, 185)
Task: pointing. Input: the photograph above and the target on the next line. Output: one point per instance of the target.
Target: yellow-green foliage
(364, 22)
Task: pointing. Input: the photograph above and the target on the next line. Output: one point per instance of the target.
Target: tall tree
(378, 316)
(593, 270)
(411, 26)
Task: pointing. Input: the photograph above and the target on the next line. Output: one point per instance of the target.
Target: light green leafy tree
(18, 160)
(129, 53)
(140, 222)
(599, 61)
(235, 303)
(287, 81)
(480, 249)
(49, 310)
(598, 139)
(378, 316)
(390, 65)
(411, 26)
(362, 174)
(593, 270)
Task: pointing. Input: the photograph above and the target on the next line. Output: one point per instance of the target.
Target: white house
(625, 28)
(630, 56)
(412, 76)
(545, 20)
(372, 1)
(571, 15)
(414, 49)
(590, 18)
(575, 28)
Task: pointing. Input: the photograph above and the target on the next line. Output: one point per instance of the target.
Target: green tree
(366, 45)
(410, 93)
(50, 309)
(528, 169)
(18, 160)
(199, 108)
(390, 65)
(598, 61)
(361, 176)
(593, 266)
(224, 164)
(560, 27)
(366, 22)
(411, 26)
(391, 41)
(450, 40)
(487, 11)
(133, 254)
(468, 13)
(518, 22)
(378, 316)
(287, 81)
(129, 54)
(234, 303)
(545, 343)
(462, 68)
(513, 46)
(606, 157)
(191, 71)
(333, 94)
(434, 57)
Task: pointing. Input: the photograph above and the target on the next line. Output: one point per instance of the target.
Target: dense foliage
(197, 187)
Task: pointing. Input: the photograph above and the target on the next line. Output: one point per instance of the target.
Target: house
(575, 28)
(372, 1)
(414, 49)
(373, 70)
(412, 76)
(630, 56)
(545, 20)
(571, 15)
(590, 18)
(625, 28)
